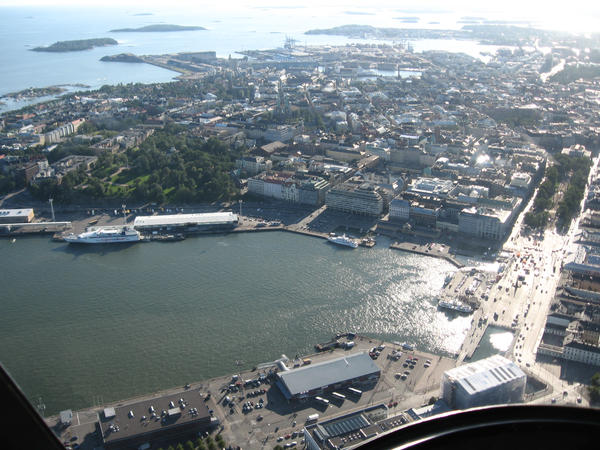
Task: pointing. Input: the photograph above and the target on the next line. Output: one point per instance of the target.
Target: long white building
(187, 222)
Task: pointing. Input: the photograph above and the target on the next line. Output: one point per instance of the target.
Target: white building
(580, 352)
(491, 381)
(484, 223)
(357, 197)
(253, 164)
(520, 180)
(284, 186)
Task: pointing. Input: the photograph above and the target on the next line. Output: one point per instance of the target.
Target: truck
(312, 418)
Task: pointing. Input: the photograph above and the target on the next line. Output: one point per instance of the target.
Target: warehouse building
(187, 223)
(176, 415)
(312, 380)
(16, 215)
(491, 381)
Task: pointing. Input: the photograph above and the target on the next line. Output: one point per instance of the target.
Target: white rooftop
(185, 219)
(485, 374)
(15, 212)
(328, 373)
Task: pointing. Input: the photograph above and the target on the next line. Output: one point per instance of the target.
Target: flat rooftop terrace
(170, 412)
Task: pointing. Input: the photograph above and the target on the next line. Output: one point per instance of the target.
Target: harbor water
(83, 325)
(494, 341)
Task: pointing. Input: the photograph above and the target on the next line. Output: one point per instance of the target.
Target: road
(529, 304)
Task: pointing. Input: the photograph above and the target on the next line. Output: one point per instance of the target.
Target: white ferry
(105, 235)
(455, 306)
(343, 240)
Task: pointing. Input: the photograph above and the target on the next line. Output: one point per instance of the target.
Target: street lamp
(50, 200)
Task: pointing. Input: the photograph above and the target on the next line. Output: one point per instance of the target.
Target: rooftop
(307, 378)
(186, 219)
(485, 374)
(15, 212)
(130, 425)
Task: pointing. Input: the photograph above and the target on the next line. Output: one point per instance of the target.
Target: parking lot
(259, 415)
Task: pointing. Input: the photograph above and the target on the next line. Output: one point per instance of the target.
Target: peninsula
(35, 92)
(76, 46)
(161, 28)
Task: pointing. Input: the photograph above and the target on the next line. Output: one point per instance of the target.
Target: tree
(189, 445)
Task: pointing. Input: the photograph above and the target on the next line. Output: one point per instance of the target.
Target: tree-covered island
(77, 45)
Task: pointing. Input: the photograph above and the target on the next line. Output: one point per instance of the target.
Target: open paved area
(259, 427)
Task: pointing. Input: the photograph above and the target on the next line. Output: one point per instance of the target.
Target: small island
(77, 45)
(122, 57)
(161, 28)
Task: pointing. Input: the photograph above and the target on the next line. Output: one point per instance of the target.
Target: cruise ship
(455, 306)
(342, 240)
(105, 235)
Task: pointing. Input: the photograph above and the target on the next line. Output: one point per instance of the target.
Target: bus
(338, 396)
(323, 401)
(354, 391)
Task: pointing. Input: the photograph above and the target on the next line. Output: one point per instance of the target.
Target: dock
(19, 229)
(426, 250)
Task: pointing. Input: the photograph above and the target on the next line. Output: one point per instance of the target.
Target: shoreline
(422, 383)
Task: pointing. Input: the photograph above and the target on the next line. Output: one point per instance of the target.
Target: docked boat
(105, 235)
(343, 240)
(455, 306)
(448, 279)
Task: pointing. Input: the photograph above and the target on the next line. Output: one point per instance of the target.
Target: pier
(17, 229)
(427, 250)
